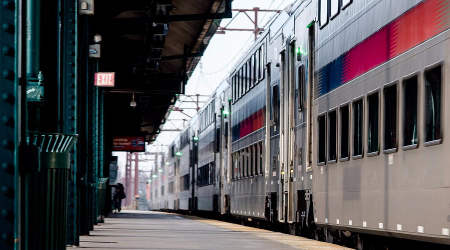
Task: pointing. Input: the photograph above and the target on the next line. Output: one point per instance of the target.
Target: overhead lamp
(195, 138)
(178, 153)
(97, 38)
(133, 101)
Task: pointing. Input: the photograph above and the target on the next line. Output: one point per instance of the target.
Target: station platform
(161, 231)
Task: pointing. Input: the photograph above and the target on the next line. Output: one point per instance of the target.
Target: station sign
(104, 79)
(129, 143)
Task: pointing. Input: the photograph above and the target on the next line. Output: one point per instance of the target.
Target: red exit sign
(104, 79)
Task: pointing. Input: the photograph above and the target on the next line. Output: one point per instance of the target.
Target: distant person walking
(119, 195)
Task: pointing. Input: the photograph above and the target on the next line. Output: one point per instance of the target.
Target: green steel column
(33, 38)
(9, 220)
(70, 107)
(95, 152)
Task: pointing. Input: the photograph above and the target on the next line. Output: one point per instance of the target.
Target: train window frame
(368, 102)
(341, 127)
(323, 23)
(301, 86)
(395, 146)
(254, 67)
(321, 162)
(336, 131)
(353, 127)
(250, 63)
(338, 8)
(262, 61)
(276, 104)
(247, 155)
(404, 105)
(438, 140)
(260, 159)
(238, 84)
(346, 4)
(252, 172)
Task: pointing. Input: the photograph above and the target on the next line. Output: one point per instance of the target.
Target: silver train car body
(334, 121)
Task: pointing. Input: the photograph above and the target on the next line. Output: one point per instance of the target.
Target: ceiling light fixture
(133, 101)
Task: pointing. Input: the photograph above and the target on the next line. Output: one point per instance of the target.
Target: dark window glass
(410, 111)
(241, 84)
(390, 117)
(254, 68)
(323, 12)
(276, 105)
(261, 158)
(250, 71)
(332, 136)
(252, 162)
(261, 62)
(372, 130)
(433, 82)
(301, 86)
(345, 128)
(358, 127)
(322, 139)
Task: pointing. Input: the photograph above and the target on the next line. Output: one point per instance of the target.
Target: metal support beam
(256, 30)
(194, 17)
(9, 129)
(69, 64)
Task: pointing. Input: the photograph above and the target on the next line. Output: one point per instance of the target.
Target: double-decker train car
(333, 125)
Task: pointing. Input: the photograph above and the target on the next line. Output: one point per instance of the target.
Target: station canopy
(153, 46)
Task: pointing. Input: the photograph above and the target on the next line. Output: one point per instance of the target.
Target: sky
(217, 62)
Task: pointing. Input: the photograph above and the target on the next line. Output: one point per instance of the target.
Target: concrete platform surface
(165, 231)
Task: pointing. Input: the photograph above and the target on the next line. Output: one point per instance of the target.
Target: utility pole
(256, 30)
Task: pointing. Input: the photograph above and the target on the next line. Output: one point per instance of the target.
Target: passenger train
(333, 125)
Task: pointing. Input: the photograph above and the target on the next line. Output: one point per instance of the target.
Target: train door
(287, 133)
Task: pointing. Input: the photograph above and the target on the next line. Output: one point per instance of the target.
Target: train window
(345, 131)
(250, 161)
(410, 100)
(250, 73)
(254, 169)
(373, 123)
(276, 105)
(334, 6)
(358, 127)
(390, 117)
(238, 160)
(261, 158)
(301, 86)
(244, 163)
(255, 159)
(322, 139)
(332, 136)
(235, 87)
(257, 65)
(433, 99)
(261, 62)
(254, 68)
(247, 163)
(239, 83)
(233, 167)
(238, 87)
(345, 3)
(323, 12)
(245, 75)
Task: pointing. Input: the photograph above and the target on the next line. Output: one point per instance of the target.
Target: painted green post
(70, 107)
(9, 125)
